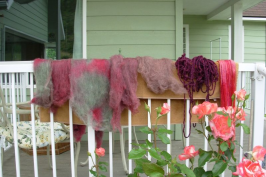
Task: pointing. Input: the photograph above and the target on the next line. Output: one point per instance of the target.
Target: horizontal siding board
(258, 45)
(207, 43)
(208, 31)
(254, 33)
(23, 13)
(130, 37)
(207, 38)
(255, 58)
(40, 11)
(156, 51)
(130, 8)
(24, 29)
(254, 39)
(215, 56)
(22, 23)
(254, 51)
(131, 23)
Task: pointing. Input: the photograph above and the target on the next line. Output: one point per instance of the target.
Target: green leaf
(232, 168)
(141, 161)
(147, 108)
(136, 153)
(233, 97)
(219, 167)
(161, 162)
(208, 128)
(184, 169)
(164, 138)
(222, 113)
(159, 110)
(103, 168)
(146, 130)
(163, 130)
(229, 122)
(176, 175)
(232, 146)
(245, 128)
(149, 144)
(224, 146)
(166, 155)
(199, 171)
(102, 176)
(93, 172)
(210, 137)
(133, 175)
(154, 154)
(247, 96)
(103, 163)
(150, 168)
(138, 169)
(199, 131)
(204, 156)
(156, 174)
(237, 125)
(207, 174)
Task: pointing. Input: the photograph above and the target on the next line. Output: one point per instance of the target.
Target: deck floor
(63, 160)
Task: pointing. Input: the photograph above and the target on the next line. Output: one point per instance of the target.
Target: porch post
(179, 47)
(258, 87)
(237, 42)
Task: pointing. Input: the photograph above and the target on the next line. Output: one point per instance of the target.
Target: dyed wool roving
(61, 82)
(89, 80)
(194, 74)
(44, 86)
(158, 75)
(123, 87)
(228, 79)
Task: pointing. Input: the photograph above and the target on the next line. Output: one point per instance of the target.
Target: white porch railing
(20, 79)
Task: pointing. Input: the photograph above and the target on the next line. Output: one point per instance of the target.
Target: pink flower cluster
(252, 168)
(206, 108)
(219, 122)
(100, 151)
(165, 109)
(189, 152)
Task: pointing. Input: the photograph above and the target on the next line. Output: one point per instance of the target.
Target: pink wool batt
(123, 87)
(158, 75)
(44, 85)
(89, 92)
(61, 82)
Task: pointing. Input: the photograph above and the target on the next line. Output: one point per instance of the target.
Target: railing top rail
(27, 66)
(16, 66)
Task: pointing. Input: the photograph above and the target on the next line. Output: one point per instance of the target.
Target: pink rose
(240, 115)
(240, 95)
(205, 108)
(258, 153)
(247, 168)
(231, 111)
(165, 109)
(220, 128)
(189, 152)
(100, 151)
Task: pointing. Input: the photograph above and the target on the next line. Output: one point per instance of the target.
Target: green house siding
(201, 32)
(137, 28)
(254, 46)
(30, 19)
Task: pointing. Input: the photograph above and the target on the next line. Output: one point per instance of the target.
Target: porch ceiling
(214, 9)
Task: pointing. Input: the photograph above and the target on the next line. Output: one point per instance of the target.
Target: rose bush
(97, 165)
(221, 129)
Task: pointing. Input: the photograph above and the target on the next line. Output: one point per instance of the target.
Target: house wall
(201, 32)
(254, 46)
(143, 28)
(30, 19)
